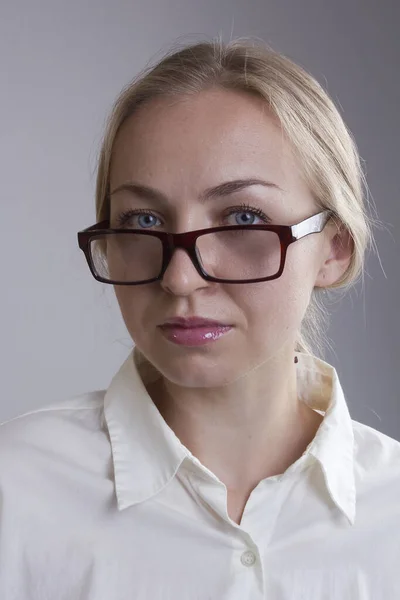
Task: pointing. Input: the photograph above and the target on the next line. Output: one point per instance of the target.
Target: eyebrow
(223, 189)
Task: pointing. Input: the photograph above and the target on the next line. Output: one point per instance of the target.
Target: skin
(233, 402)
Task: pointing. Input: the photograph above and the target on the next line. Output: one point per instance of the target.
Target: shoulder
(376, 462)
(59, 431)
(373, 448)
(73, 409)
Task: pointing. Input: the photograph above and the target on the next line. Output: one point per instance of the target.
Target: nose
(181, 277)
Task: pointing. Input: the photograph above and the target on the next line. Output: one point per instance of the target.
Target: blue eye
(147, 220)
(245, 218)
(137, 219)
(247, 215)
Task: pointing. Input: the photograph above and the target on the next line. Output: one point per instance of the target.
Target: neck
(246, 431)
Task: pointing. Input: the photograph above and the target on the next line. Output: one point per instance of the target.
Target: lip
(192, 322)
(193, 331)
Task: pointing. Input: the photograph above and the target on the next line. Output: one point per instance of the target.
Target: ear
(336, 257)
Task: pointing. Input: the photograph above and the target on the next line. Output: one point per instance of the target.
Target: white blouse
(99, 500)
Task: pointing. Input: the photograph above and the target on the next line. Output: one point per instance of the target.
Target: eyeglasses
(231, 254)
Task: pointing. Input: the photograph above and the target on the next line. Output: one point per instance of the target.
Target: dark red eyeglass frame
(288, 234)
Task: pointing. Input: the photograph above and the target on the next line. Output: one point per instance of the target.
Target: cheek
(278, 305)
(133, 303)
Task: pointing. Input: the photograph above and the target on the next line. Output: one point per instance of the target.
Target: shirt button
(248, 558)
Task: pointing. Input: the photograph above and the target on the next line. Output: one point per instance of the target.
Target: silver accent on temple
(314, 224)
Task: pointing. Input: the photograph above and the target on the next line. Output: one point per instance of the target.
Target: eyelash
(126, 215)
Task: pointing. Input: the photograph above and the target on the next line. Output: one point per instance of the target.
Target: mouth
(192, 322)
(193, 331)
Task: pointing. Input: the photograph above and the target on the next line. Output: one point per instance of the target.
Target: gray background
(62, 64)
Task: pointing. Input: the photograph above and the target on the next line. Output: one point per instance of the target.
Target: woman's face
(181, 148)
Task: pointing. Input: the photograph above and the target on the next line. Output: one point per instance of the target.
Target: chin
(195, 370)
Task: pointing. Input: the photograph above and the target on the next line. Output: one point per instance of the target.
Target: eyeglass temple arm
(314, 224)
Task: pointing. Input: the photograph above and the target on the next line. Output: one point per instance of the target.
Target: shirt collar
(333, 445)
(147, 453)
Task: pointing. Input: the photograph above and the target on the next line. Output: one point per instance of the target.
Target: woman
(222, 461)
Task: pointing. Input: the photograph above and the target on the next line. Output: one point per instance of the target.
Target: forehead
(186, 144)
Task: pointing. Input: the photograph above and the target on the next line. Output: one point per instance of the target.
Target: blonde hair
(311, 122)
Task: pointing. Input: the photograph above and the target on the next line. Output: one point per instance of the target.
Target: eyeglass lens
(232, 254)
